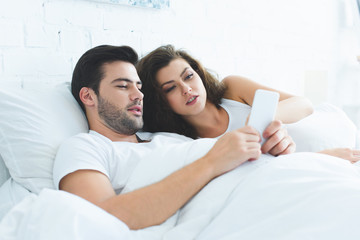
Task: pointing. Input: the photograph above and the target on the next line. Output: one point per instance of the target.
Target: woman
(182, 96)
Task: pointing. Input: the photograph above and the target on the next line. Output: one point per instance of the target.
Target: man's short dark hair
(88, 71)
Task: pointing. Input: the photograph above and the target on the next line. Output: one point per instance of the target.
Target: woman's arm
(353, 155)
(290, 109)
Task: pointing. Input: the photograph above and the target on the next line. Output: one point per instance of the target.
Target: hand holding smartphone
(263, 110)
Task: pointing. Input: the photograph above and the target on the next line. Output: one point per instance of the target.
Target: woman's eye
(189, 76)
(169, 89)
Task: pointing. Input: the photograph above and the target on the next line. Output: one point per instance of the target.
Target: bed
(299, 196)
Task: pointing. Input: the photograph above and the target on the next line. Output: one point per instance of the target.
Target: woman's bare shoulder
(238, 88)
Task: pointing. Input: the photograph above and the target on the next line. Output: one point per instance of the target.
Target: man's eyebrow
(125, 80)
(182, 73)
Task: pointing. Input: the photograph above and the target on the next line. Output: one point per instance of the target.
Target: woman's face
(182, 87)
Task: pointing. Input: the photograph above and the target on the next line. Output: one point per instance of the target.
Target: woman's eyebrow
(171, 81)
(182, 73)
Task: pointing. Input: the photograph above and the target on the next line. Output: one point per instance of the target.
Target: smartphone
(263, 110)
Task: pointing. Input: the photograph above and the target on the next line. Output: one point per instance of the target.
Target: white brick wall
(11, 32)
(1, 63)
(273, 42)
(79, 14)
(38, 35)
(35, 62)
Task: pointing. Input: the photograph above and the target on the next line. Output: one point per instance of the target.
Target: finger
(273, 127)
(252, 138)
(356, 152)
(355, 156)
(272, 141)
(290, 149)
(248, 130)
(254, 154)
(355, 160)
(280, 147)
(253, 145)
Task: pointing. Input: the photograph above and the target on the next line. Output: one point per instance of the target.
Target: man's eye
(121, 86)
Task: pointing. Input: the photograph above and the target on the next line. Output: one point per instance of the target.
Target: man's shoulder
(89, 138)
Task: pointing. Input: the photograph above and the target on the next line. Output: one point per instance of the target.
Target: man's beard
(117, 119)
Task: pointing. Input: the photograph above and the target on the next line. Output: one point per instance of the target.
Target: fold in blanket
(297, 196)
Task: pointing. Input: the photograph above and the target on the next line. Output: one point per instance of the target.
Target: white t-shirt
(123, 162)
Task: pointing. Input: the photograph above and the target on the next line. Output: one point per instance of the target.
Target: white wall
(345, 87)
(274, 42)
(286, 44)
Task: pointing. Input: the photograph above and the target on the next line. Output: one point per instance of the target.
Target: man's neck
(117, 137)
(114, 136)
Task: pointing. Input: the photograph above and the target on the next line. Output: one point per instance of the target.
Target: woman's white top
(237, 112)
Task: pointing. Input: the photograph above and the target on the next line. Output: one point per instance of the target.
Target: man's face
(120, 99)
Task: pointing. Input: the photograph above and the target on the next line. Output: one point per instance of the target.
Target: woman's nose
(186, 89)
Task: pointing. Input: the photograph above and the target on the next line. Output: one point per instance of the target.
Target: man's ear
(87, 96)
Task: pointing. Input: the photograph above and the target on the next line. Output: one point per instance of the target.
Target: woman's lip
(193, 101)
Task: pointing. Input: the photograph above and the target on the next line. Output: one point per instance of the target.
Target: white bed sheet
(298, 196)
(11, 193)
(59, 215)
(4, 172)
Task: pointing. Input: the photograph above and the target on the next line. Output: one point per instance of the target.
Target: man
(97, 165)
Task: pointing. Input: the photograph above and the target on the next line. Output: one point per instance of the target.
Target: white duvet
(297, 196)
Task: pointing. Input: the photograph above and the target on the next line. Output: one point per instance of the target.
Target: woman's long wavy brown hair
(158, 115)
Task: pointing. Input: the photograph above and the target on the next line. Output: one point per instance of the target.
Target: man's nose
(136, 94)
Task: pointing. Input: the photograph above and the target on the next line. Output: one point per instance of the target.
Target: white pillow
(32, 125)
(327, 127)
